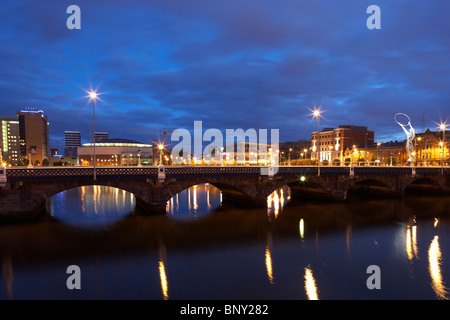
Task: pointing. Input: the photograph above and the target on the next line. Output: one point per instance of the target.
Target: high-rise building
(33, 135)
(73, 141)
(9, 139)
(100, 136)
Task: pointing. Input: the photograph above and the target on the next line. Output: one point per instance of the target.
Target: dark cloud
(231, 64)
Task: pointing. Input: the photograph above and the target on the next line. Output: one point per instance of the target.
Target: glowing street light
(442, 127)
(160, 147)
(93, 95)
(316, 114)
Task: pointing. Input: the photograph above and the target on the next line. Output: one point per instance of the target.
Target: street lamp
(160, 147)
(316, 113)
(417, 152)
(139, 158)
(442, 127)
(378, 159)
(93, 95)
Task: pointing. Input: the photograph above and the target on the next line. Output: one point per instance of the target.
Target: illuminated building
(250, 153)
(9, 139)
(33, 135)
(116, 152)
(431, 148)
(390, 153)
(335, 141)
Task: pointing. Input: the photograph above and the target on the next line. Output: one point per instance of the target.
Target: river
(202, 249)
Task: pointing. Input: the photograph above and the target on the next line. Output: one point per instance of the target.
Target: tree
(45, 163)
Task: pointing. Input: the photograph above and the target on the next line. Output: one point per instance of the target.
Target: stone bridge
(26, 190)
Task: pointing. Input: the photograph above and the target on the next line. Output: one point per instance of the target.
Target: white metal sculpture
(410, 148)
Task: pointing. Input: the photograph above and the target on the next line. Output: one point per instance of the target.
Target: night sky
(232, 64)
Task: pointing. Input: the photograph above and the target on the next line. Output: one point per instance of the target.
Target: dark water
(204, 250)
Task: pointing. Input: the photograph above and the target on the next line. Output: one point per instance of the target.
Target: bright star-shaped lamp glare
(93, 95)
(316, 113)
(442, 126)
(161, 147)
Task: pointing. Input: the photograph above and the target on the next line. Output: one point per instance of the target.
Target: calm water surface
(202, 249)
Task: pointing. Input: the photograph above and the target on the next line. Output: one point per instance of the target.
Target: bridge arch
(91, 204)
(309, 189)
(371, 188)
(231, 190)
(424, 186)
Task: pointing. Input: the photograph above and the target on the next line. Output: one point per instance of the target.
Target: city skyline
(162, 65)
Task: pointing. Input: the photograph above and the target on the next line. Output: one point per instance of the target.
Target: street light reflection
(434, 260)
(411, 242)
(310, 285)
(277, 200)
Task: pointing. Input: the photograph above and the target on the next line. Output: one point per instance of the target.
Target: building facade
(33, 135)
(116, 152)
(432, 148)
(72, 142)
(390, 153)
(101, 136)
(331, 144)
(9, 140)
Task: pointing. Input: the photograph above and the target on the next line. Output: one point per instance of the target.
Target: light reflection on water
(310, 251)
(91, 205)
(277, 200)
(194, 202)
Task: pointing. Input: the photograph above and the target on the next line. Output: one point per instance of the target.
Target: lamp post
(139, 158)
(418, 154)
(316, 113)
(365, 149)
(442, 127)
(160, 147)
(378, 159)
(93, 96)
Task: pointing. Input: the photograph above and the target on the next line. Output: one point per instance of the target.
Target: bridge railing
(118, 173)
(78, 173)
(207, 171)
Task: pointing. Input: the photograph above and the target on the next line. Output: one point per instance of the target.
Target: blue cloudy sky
(232, 64)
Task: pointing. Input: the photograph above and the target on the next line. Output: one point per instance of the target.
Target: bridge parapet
(78, 173)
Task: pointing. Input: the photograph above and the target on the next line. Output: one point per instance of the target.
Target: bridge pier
(19, 205)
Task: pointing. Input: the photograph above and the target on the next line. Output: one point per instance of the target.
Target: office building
(9, 139)
(72, 142)
(100, 136)
(33, 135)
